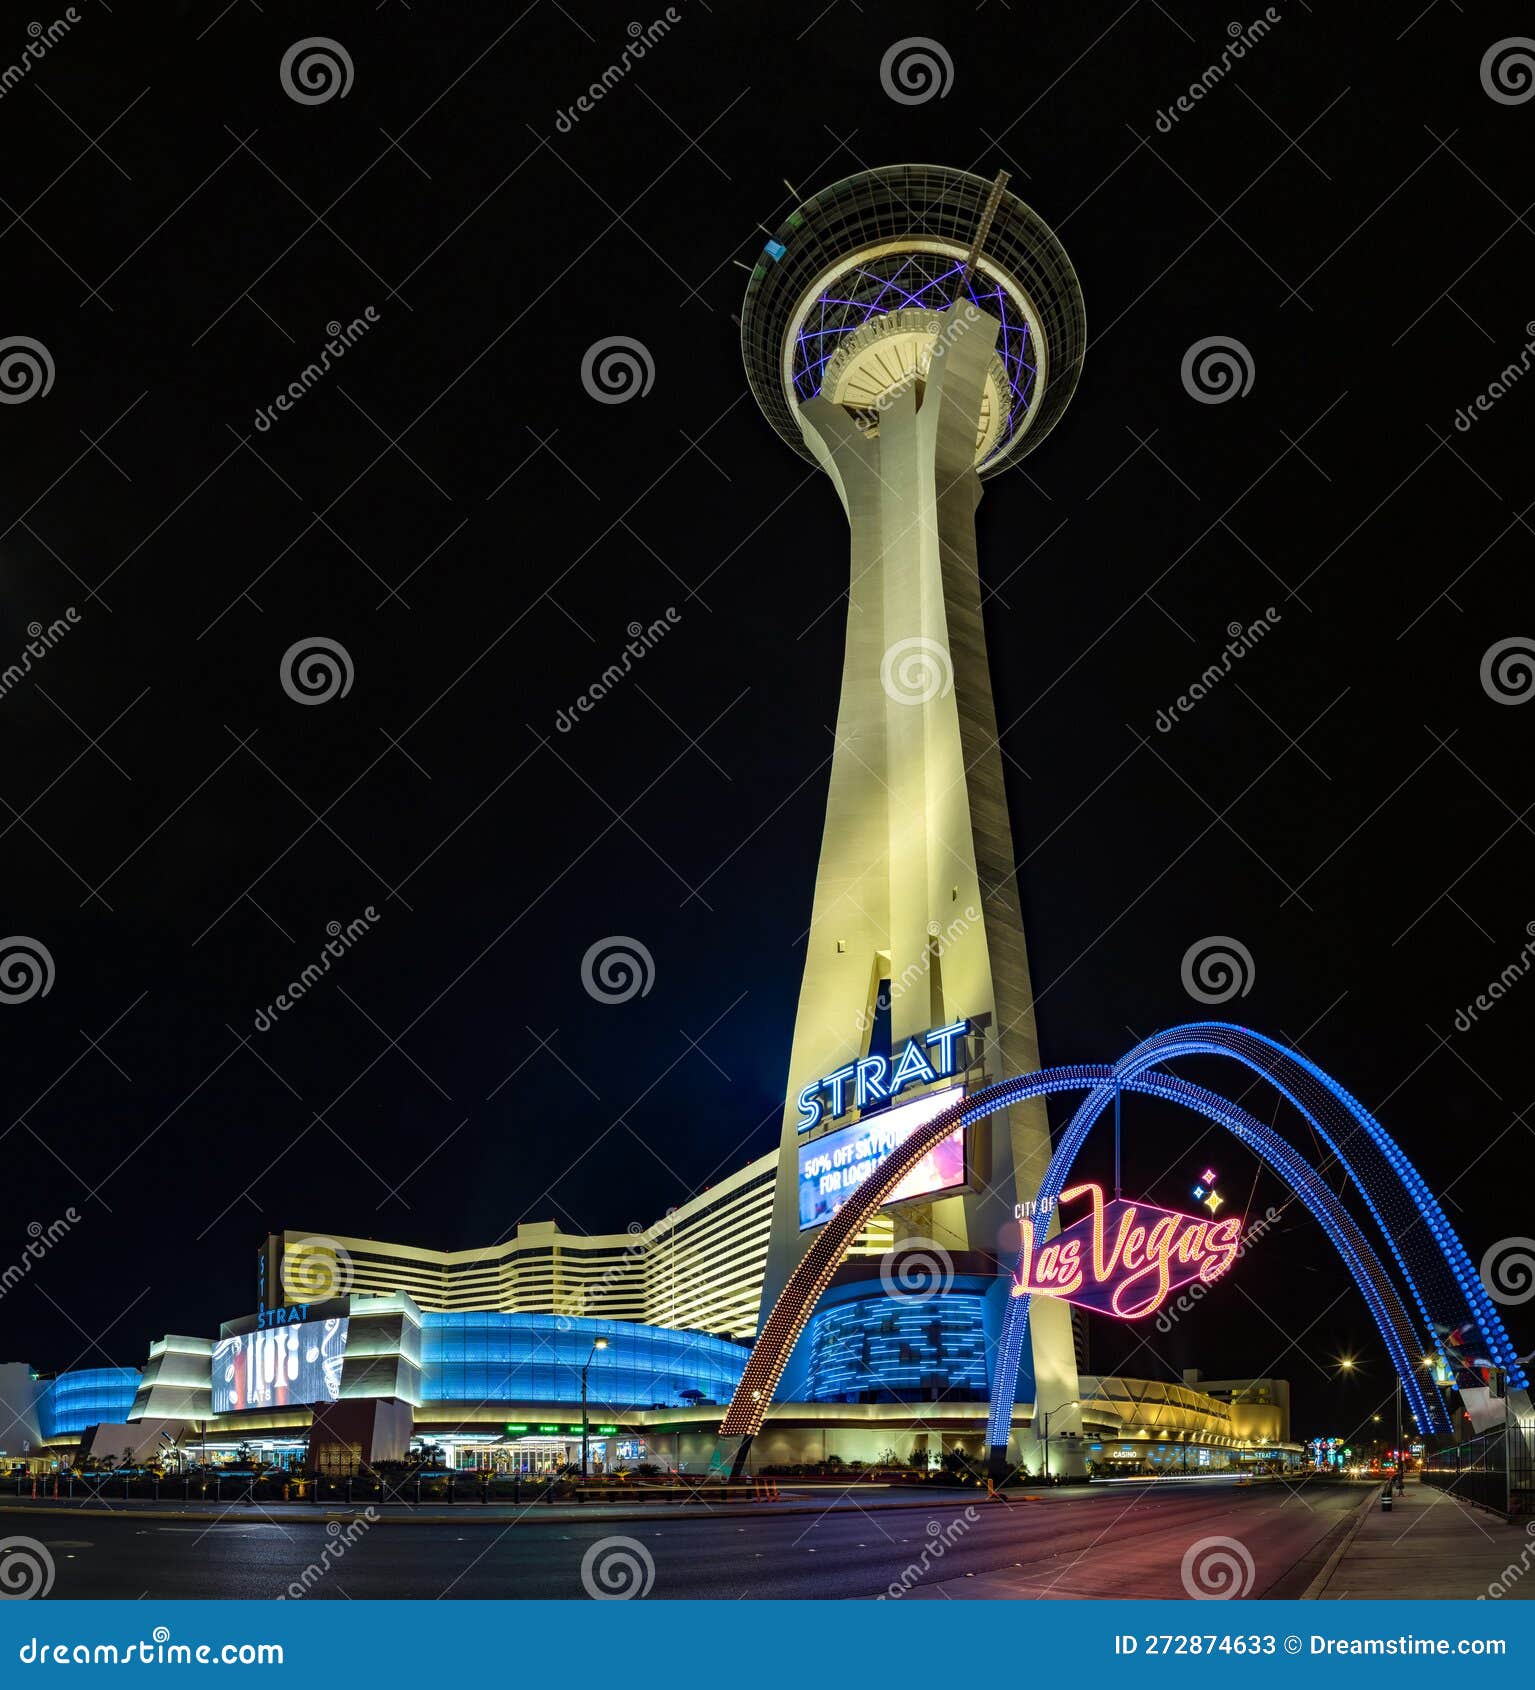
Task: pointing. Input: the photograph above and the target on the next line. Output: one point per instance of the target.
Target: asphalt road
(1124, 1543)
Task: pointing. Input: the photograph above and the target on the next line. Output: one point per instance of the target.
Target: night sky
(453, 507)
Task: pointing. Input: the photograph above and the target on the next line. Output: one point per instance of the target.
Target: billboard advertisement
(837, 1163)
(273, 1369)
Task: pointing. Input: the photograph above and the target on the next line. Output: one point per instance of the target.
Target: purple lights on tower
(913, 280)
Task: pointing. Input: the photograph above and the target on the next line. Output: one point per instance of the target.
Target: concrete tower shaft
(917, 883)
(909, 363)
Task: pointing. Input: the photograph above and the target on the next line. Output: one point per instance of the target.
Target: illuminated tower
(914, 331)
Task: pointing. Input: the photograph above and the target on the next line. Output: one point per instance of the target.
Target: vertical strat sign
(1125, 1259)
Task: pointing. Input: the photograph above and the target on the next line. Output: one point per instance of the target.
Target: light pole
(1045, 1416)
(597, 1344)
(1401, 1460)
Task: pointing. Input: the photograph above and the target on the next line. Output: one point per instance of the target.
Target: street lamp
(597, 1344)
(1045, 1416)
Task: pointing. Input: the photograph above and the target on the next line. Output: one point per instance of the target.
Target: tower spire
(982, 230)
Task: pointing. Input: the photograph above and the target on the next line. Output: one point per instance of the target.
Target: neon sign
(1125, 1259)
(872, 1079)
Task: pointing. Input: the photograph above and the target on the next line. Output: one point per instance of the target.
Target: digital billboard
(275, 1368)
(833, 1166)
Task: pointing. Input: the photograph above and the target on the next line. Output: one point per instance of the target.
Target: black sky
(1349, 204)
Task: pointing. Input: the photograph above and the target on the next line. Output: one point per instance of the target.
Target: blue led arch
(1440, 1277)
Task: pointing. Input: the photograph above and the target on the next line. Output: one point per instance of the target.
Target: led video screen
(272, 1369)
(832, 1166)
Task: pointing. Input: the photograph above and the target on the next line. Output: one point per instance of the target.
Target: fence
(1494, 1471)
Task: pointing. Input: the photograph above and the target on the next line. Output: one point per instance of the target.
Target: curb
(472, 1514)
(1313, 1591)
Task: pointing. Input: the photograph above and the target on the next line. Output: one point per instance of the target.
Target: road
(1127, 1542)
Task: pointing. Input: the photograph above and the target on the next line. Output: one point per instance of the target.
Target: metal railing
(1495, 1470)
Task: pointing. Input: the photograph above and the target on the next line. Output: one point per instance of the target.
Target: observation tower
(915, 330)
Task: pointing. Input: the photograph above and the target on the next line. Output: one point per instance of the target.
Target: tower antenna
(982, 230)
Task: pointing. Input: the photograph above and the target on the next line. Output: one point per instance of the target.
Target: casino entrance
(526, 1455)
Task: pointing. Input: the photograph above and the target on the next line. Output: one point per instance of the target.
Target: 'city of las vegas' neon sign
(935, 1055)
(1125, 1259)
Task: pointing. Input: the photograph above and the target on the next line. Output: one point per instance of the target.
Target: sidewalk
(1430, 1546)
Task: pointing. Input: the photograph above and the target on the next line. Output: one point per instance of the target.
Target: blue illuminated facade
(72, 1402)
(898, 1349)
(480, 1356)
